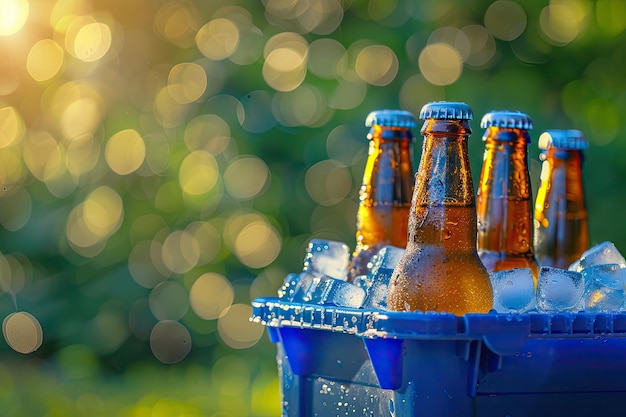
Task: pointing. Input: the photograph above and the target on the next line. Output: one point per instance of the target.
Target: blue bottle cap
(506, 119)
(563, 139)
(392, 118)
(446, 110)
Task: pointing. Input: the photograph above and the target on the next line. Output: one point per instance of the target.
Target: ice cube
(363, 281)
(575, 266)
(600, 254)
(385, 259)
(289, 286)
(513, 290)
(559, 289)
(328, 290)
(327, 257)
(604, 288)
(383, 264)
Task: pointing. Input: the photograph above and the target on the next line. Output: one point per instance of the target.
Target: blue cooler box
(337, 361)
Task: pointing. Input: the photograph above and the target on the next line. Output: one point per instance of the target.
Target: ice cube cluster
(594, 283)
(324, 278)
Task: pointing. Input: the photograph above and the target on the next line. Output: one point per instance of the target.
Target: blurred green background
(163, 163)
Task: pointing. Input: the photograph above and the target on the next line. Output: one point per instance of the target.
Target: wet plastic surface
(336, 361)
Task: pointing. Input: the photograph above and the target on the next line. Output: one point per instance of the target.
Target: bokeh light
(13, 16)
(125, 151)
(257, 244)
(13, 277)
(235, 328)
(326, 56)
(198, 173)
(22, 332)
(285, 63)
(505, 19)
(377, 65)
(328, 183)
(16, 209)
(482, 45)
(454, 37)
(45, 59)
(210, 295)
(79, 108)
(252, 239)
(350, 92)
(208, 132)
(344, 146)
(562, 21)
(208, 239)
(93, 221)
(168, 301)
(177, 22)
(218, 39)
(187, 82)
(180, 251)
(303, 106)
(92, 42)
(12, 170)
(12, 127)
(170, 341)
(142, 267)
(169, 112)
(246, 177)
(440, 63)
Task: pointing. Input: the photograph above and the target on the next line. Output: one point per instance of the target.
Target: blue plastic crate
(335, 361)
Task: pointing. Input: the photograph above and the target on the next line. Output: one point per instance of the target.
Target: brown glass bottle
(503, 199)
(385, 195)
(440, 269)
(561, 225)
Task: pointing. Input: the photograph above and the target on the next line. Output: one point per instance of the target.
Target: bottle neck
(562, 168)
(443, 207)
(504, 172)
(561, 233)
(388, 176)
(503, 199)
(444, 174)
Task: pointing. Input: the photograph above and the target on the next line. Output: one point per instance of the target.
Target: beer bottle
(440, 269)
(503, 200)
(385, 194)
(561, 228)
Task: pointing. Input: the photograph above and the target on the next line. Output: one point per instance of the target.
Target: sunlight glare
(13, 15)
